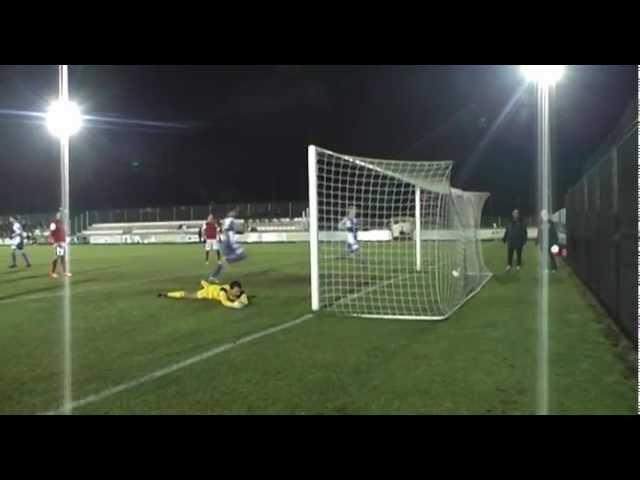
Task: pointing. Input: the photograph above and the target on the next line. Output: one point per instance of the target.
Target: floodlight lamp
(64, 119)
(544, 75)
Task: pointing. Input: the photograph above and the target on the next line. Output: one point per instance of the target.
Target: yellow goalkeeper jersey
(220, 293)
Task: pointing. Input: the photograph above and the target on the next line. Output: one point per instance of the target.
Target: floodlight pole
(544, 183)
(545, 76)
(63, 80)
(67, 402)
(544, 158)
(418, 229)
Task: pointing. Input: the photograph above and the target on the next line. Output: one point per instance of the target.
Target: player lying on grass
(231, 295)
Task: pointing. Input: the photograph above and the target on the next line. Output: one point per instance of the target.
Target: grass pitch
(482, 360)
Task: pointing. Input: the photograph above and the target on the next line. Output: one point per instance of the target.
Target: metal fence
(494, 221)
(82, 220)
(192, 213)
(602, 227)
(255, 211)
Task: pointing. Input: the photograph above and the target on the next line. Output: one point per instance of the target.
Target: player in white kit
(17, 243)
(232, 251)
(350, 224)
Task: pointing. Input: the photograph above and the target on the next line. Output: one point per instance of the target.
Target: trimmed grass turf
(481, 360)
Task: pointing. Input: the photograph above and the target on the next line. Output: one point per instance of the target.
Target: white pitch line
(180, 365)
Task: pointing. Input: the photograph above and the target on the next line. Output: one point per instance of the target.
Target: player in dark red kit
(58, 237)
(210, 234)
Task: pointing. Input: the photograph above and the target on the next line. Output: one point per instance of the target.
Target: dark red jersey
(210, 231)
(56, 230)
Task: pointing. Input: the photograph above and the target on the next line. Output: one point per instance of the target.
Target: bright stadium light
(544, 75)
(64, 119)
(545, 78)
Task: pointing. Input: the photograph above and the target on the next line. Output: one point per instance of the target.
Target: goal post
(313, 229)
(391, 239)
(418, 229)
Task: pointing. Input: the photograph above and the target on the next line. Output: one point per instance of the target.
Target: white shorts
(59, 249)
(212, 245)
(352, 243)
(17, 243)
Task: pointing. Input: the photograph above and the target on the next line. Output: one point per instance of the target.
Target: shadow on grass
(19, 279)
(35, 292)
(507, 278)
(41, 275)
(13, 271)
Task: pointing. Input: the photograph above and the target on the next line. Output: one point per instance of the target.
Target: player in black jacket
(515, 236)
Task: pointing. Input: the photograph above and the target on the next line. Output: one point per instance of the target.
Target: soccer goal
(391, 239)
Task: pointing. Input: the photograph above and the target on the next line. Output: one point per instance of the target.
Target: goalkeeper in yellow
(231, 295)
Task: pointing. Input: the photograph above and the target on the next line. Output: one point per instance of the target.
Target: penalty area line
(180, 365)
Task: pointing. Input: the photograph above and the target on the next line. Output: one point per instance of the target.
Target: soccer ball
(555, 249)
(455, 273)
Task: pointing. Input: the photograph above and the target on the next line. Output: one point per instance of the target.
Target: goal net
(391, 239)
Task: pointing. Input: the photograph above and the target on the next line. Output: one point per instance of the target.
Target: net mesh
(414, 251)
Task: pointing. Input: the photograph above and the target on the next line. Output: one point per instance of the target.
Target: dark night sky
(239, 133)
